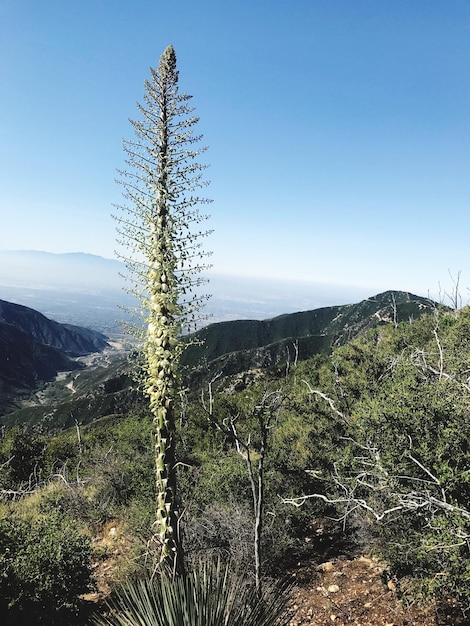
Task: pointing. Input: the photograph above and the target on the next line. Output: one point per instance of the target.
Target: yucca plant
(207, 596)
(159, 227)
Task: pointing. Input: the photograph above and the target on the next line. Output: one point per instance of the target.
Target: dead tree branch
(266, 412)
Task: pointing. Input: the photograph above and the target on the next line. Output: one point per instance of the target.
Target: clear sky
(338, 130)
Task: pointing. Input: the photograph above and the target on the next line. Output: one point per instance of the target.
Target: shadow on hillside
(324, 541)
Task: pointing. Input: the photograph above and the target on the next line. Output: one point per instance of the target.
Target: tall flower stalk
(160, 226)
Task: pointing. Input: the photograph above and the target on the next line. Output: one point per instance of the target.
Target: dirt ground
(341, 587)
(351, 589)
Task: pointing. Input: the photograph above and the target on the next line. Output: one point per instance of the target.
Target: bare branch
(326, 398)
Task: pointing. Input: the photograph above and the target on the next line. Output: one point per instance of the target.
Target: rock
(325, 567)
(333, 589)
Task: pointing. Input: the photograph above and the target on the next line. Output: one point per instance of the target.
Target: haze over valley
(87, 290)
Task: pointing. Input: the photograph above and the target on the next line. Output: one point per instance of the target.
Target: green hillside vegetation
(80, 396)
(374, 434)
(232, 347)
(228, 348)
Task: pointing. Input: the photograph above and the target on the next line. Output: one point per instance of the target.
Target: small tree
(165, 260)
(254, 449)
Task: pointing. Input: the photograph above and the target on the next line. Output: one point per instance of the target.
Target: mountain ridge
(70, 339)
(232, 346)
(229, 348)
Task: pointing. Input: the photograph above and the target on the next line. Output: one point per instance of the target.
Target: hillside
(33, 349)
(405, 386)
(228, 347)
(389, 398)
(25, 363)
(232, 347)
(71, 340)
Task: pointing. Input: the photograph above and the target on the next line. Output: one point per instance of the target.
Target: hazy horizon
(55, 283)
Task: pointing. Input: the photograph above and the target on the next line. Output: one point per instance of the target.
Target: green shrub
(21, 457)
(44, 567)
(405, 448)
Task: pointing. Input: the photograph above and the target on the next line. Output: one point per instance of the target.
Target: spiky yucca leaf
(208, 596)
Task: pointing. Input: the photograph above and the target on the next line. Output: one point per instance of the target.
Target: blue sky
(338, 131)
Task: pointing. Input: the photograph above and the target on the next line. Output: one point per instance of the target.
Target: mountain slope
(71, 340)
(232, 347)
(33, 349)
(25, 363)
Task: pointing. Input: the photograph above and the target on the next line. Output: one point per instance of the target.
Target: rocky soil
(350, 588)
(342, 587)
(351, 591)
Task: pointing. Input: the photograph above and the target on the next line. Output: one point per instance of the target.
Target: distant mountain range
(74, 271)
(76, 288)
(87, 290)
